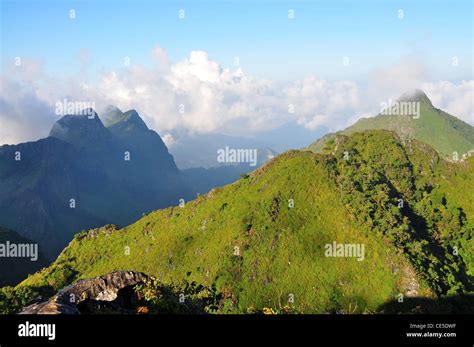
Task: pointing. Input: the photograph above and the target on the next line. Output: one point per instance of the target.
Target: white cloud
(24, 116)
(396, 79)
(161, 55)
(198, 65)
(322, 103)
(169, 140)
(198, 95)
(454, 99)
(195, 94)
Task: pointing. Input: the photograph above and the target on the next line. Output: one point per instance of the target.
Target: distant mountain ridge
(194, 151)
(447, 134)
(81, 175)
(93, 170)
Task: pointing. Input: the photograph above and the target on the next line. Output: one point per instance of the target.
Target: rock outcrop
(114, 291)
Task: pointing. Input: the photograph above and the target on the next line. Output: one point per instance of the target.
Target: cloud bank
(199, 96)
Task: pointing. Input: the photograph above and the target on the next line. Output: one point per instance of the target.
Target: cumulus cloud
(161, 55)
(199, 96)
(24, 114)
(322, 103)
(456, 99)
(195, 94)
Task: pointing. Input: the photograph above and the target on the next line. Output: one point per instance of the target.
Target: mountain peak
(78, 128)
(110, 115)
(422, 121)
(84, 118)
(416, 95)
(115, 119)
(112, 108)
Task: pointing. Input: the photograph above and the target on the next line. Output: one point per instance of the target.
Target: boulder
(93, 292)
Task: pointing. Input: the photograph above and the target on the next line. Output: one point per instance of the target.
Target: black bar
(325, 330)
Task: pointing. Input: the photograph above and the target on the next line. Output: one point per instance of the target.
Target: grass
(434, 127)
(260, 241)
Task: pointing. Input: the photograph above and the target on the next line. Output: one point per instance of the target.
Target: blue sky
(259, 33)
(284, 61)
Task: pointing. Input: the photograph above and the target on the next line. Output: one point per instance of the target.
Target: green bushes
(11, 299)
(190, 298)
(425, 227)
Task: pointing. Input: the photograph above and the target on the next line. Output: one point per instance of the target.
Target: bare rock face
(113, 290)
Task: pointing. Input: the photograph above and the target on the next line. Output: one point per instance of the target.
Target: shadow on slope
(457, 304)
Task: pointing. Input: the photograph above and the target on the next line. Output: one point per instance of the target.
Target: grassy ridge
(280, 249)
(258, 250)
(440, 130)
(401, 191)
(425, 129)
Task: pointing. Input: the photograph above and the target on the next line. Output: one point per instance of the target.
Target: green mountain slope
(259, 250)
(444, 132)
